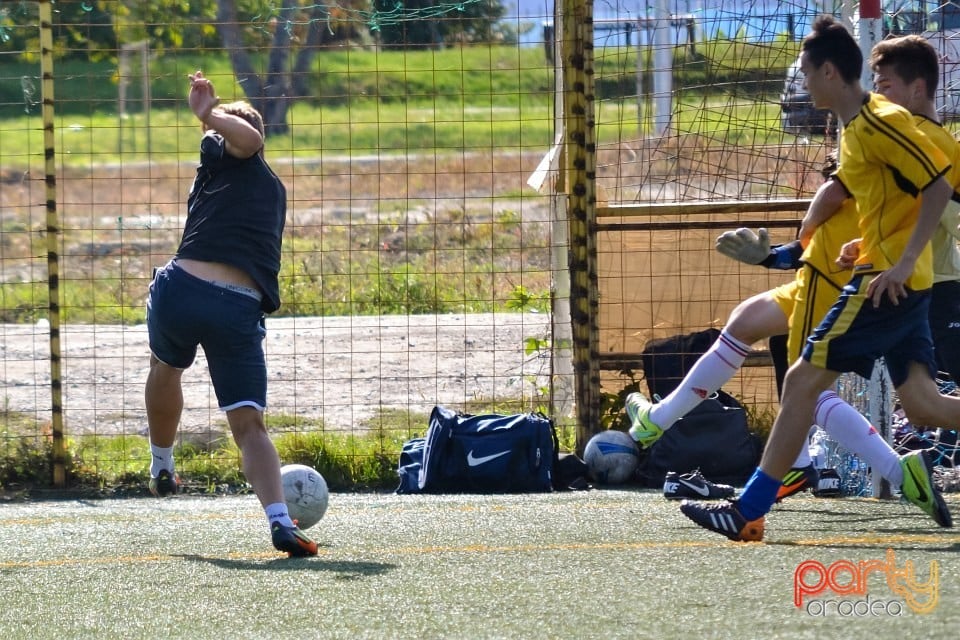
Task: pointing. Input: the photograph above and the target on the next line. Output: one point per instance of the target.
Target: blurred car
(797, 113)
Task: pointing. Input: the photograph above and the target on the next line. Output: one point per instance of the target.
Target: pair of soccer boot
(725, 518)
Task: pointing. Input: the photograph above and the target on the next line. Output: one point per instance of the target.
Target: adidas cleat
(798, 479)
(642, 430)
(693, 485)
(165, 484)
(724, 518)
(919, 489)
(292, 540)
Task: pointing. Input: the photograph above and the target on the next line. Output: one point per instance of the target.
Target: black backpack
(667, 360)
(713, 438)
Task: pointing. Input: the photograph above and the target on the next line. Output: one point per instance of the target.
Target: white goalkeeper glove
(745, 245)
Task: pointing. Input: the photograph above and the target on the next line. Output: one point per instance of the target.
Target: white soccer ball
(612, 457)
(306, 494)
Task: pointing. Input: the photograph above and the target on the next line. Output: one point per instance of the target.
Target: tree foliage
(428, 23)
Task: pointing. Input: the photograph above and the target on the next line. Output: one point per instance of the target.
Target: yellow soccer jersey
(946, 255)
(824, 247)
(885, 163)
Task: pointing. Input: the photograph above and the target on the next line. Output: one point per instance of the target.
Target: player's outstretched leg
(724, 518)
(919, 489)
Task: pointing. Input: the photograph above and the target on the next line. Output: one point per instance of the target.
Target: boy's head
(909, 58)
(830, 44)
(245, 111)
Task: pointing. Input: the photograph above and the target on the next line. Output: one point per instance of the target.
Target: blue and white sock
(161, 459)
(277, 512)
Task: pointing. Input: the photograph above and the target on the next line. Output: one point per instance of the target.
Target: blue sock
(758, 496)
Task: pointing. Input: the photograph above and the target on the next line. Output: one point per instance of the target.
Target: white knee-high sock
(708, 374)
(844, 424)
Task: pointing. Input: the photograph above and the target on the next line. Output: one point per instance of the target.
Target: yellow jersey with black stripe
(885, 163)
(946, 255)
(824, 247)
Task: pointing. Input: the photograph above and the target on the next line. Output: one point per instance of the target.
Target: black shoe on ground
(693, 485)
(165, 484)
(292, 540)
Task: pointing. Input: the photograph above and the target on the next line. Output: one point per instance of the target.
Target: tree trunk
(270, 95)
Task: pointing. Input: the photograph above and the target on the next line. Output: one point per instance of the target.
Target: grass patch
(447, 263)
(118, 465)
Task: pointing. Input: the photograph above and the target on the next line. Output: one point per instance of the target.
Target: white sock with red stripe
(711, 371)
(853, 432)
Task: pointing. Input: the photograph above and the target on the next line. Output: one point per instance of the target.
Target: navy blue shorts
(854, 334)
(945, 326)
(184, 312)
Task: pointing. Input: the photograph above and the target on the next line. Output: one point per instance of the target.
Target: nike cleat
(798, 479)
(292, 540)
(919, 489)
(693, 485)
(642, 430)
(724, 518)
(165, 484)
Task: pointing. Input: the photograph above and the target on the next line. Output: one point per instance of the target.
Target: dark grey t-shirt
(235, 215)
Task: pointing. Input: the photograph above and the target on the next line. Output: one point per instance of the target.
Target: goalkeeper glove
(745, 245)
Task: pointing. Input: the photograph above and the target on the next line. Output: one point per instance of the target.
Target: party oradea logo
(868, 588)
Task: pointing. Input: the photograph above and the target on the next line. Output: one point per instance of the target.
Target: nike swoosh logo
(474, 461)
(704, 491)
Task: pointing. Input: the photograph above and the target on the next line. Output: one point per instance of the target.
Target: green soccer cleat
(919, 489)
(642, 429)
(798, 479)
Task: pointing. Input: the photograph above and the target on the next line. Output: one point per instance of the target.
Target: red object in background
(870, 8)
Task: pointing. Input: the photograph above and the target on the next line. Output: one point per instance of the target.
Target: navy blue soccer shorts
(945, 326)
(184, 312)
(854, 334)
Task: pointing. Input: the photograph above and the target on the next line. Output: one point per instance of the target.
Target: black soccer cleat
(292, 540)
(724, 518)
(798, 479)
(693, 485)
(165, 484)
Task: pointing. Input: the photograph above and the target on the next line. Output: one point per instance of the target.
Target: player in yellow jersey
(886, 163)
(900, 63)
(907, 74)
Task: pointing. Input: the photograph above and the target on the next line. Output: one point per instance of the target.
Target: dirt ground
(338, 369)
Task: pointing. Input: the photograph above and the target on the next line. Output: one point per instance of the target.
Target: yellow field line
(483, 548)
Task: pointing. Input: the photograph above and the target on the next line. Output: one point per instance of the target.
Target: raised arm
(241, 138)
